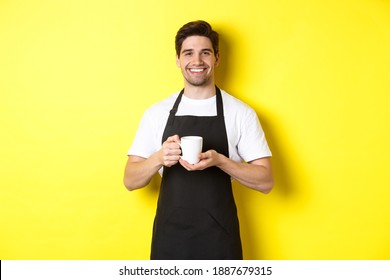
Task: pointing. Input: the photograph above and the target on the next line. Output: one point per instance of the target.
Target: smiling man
(196, 215)
(197, 61)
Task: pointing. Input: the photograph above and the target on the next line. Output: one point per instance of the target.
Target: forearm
(255, 175)
(139, 172)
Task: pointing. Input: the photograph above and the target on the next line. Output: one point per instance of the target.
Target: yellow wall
(76, 76)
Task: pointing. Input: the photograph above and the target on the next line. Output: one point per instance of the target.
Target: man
(196, 215)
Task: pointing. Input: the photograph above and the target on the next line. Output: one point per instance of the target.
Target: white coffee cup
(191, 147)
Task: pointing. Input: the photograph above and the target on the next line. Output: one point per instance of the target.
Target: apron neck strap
(219, 102)
(176, 105)
(218, 94)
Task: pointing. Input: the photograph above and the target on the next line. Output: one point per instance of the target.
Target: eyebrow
(191, 50)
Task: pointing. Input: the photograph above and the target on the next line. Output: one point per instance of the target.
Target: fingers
(171, 155)
(188, 166)
(205, 155)
(171, 146)
(174, 138)
(202, 164)
(171, 151)
(207, 159)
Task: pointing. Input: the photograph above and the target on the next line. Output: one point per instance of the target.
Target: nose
(197, 59)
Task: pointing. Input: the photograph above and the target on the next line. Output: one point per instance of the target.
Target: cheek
(181, 63)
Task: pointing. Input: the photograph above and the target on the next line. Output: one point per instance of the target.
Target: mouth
(197, 70)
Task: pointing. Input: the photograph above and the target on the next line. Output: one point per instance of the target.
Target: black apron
(196, 214)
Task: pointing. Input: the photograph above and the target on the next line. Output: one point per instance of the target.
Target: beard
(197, 81)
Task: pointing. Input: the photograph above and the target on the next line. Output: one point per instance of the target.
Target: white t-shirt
(245, 135)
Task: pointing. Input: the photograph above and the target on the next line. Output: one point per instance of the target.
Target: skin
(197, 62)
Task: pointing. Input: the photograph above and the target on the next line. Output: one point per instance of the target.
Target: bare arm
(139, 171)
(256, 174)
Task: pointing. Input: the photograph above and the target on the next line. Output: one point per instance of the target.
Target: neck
(199, 92)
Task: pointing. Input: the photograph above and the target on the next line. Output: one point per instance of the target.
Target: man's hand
(207, 159)
(170, 151)
(255, 174)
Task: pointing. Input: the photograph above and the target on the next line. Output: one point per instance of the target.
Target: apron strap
(219, 102)
(173, 111)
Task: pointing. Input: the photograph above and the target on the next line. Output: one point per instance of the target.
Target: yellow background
(76, 77)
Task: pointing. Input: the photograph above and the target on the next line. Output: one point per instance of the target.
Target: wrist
(158, 159)
(220, 160)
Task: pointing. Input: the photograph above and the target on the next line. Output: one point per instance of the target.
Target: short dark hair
(196, 28)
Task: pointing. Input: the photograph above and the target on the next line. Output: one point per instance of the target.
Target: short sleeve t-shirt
(246, 137)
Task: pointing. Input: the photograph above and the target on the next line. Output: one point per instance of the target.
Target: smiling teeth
(196, 70)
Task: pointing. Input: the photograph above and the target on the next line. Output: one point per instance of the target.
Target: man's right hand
(170, 151)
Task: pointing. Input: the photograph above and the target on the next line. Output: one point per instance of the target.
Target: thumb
(174, 138)
(204, 155)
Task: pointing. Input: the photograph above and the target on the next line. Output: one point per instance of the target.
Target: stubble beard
(198, 82)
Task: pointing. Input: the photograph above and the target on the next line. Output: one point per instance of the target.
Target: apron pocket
(194, 234)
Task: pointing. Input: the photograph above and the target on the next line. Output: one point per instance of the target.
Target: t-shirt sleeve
(252, 143)
(144, 143)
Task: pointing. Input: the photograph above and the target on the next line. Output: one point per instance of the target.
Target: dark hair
(196, 28)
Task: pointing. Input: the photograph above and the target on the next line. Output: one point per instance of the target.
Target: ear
(177, 61)
(216, 59)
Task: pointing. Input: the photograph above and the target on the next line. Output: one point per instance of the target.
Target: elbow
(128, 185)
(267, 184)
(131, 185)
(265, 187)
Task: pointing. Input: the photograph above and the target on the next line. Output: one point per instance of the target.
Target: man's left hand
(207, 159)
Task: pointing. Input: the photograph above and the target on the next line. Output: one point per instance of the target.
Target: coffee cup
(191, 147)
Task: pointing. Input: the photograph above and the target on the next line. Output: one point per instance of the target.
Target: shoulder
(233, 105)
(162, 107)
